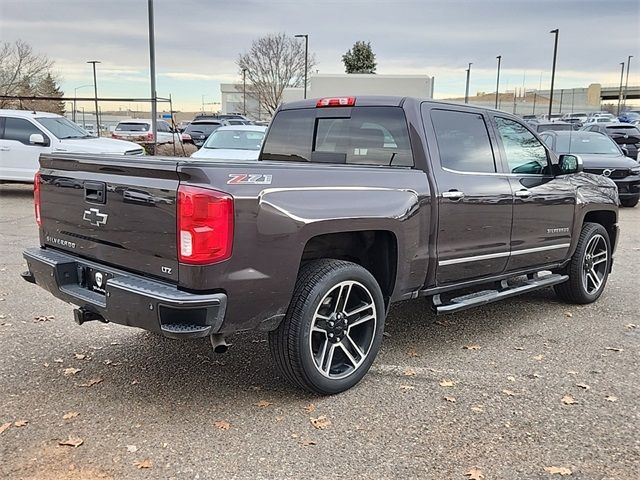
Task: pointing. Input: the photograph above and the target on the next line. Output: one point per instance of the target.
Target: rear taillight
(186, 136)
(36, 197)
(205, 225)
(336, 102)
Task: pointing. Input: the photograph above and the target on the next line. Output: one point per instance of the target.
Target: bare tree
(273, 63)
(20, 70)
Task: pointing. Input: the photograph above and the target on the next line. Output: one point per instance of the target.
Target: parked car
(238, 121)
(355, 203)
(556, 126)
(600, 156)
(24, 135)
(198, 131)
(233, 143)
(140, 131)
(624, 134)
(600, 118)
(629, 116)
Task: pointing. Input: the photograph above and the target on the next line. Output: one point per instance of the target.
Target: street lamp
(244, 91)
(553, 69)
(152, 74)
(95, 91)
(75, 94)
(499, 57)
(626, 82)
(620, 91)
(466, 90)
(306, 59)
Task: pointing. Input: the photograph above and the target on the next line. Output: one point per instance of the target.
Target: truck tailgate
(117, 211)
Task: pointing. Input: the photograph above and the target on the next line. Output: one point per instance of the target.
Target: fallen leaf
(583, 386)
(478, 408)
(310, 408)
(611, 398)
(132, 448)
(518, 348)
(43, 318)
(4, 427)
(58, 360)
(222, 424)
(572, 372)
(321, 422)
(406, 387)
(80, 356)
(631, 326)
(71, 371)
(74, 442)
(511, 378)
(307, 443)
(70, 415)
(91, 382)
(412, 353)
(21, 423)
(446, 383)
(472, 347)
(509, 393)
(263, 404)
(146, 463)
(450, 399)
(409, 372)
(568, 400)
(538, 357)
(279, 419)
(475, 474)
(568, 314)
(558, 470)
(614, 349)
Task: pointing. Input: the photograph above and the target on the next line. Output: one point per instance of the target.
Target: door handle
(524, 193)
(453, 195)
(4, 149)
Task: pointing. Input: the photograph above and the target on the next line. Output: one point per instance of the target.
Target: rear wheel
(629, 202)
(333, 328)
(589, 267)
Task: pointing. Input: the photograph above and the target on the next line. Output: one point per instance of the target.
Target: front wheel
(333, 328)
(589, 267)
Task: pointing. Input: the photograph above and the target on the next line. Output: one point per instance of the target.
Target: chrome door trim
(455, 261)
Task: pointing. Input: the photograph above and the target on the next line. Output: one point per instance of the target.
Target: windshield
(63, 128)
(202, 127)
(235, 140)
(132, 127)
(595, 144)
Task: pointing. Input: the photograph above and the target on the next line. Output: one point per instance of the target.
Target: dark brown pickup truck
(355, 203)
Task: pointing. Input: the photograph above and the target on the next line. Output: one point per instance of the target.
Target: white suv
(140, 131)
(24, 135)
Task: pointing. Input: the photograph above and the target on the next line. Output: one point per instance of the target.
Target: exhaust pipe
(219, 343)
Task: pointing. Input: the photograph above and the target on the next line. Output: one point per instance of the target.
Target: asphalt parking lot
(540, 384)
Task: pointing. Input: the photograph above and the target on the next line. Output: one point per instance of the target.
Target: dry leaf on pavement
(91, 382)
(406, 387)
(263, 404)
(568, 314)
(80, 356)
(146, 463)
(21, 423)
(132, 448)
(538, 357)
(310, 408)
(71, 371)
(412, 353)
(614, 349)
(70, 415)
(43, 318)
(222, 424)
(321, 422)
(568, 400)
(4, 427)
(409, 372)
(472, 347)
(558, 470)
(631, 326)
(509, 393)
(74, 442)
(446, 383)
(307, 443)
(450, 399)
(475, 474)
(611, 398)
(583, 386)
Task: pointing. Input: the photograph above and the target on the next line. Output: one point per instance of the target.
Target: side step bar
(503, 291)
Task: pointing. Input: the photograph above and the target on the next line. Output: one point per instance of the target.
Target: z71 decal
(249, 179)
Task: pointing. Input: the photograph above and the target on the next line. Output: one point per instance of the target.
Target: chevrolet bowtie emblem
(94, 217)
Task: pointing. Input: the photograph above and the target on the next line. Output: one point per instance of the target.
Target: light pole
(499, 57)
(75, 94)
(95, 91)
(626, 82)
(306, 59)
(466, 90)
(553, 68)
(620, 91)
(152, 73)
(244, 91)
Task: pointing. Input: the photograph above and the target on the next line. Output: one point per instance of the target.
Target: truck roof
(26, 113)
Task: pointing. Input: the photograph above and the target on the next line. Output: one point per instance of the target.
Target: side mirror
(569, 163)
(37, 139)
(625, 150)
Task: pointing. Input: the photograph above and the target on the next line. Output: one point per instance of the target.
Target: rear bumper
(126, 299)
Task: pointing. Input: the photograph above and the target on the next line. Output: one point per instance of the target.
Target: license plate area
(94, 279)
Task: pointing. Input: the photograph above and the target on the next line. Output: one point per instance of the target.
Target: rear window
(554, 127)
(202, 127)
(367, 136)
(132, 127)
(624, 128)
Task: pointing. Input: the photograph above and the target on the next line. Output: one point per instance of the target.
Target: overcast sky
(198, 41)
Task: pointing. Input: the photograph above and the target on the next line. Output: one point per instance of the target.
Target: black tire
(579, 288)
(629, 202)
(292, 343)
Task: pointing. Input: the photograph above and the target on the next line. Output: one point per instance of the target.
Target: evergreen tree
(360, 58)
(48, 87)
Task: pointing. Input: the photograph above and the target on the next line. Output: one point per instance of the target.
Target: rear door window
(132, 127)
(463, 141)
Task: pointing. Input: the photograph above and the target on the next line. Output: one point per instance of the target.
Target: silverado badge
(94, 217)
